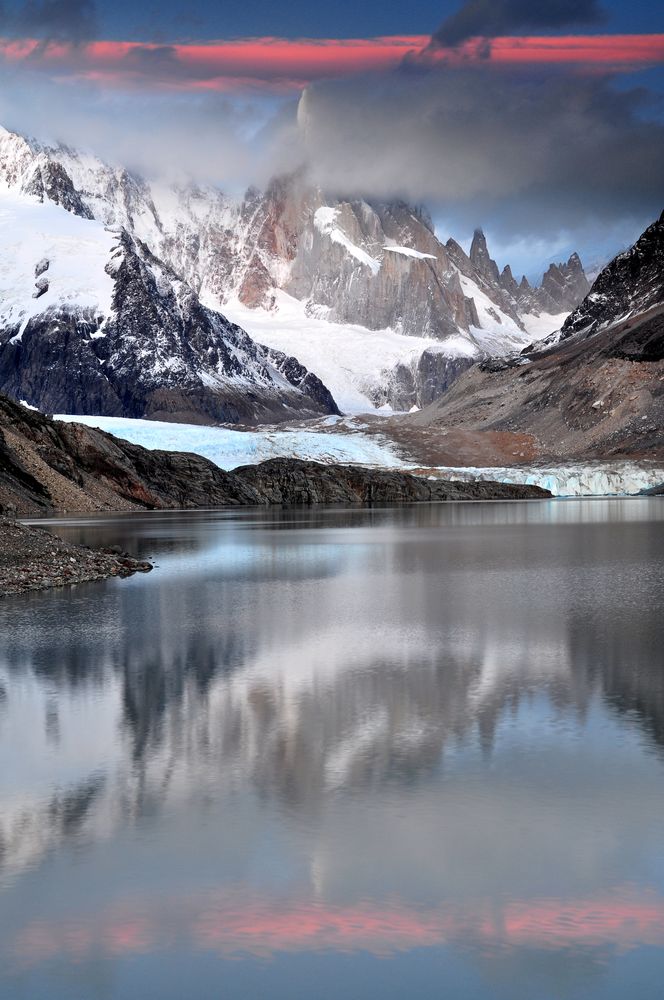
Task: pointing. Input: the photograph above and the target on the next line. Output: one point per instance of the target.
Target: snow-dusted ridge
(92, 321)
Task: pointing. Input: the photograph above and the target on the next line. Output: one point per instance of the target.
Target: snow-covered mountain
(365, 295)
(92, 322)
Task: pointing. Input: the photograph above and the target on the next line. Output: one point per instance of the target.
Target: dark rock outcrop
(630, 285)
(284, 480)
(50, 181)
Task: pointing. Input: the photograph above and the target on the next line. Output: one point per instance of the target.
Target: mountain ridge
(349, 263)
(596, 390)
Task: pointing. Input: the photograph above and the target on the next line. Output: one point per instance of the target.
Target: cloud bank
(490, 18)
(522, 135)
(530, 152)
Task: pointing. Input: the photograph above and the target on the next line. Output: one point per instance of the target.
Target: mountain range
(595, 389)
(122, 296)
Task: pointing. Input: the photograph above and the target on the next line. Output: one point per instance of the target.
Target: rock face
(116, 331)
(47, 465)
(378, 266)
(422, 381)
(563, 286)
(596, 391)
(629, 286)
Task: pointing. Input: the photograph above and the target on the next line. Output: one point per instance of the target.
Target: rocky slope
(92, 322)
(49, 465)
(376, 266)
(595, 392)
(32, 559)
(628, 287)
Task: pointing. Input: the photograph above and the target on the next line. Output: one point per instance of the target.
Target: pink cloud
(279, 64)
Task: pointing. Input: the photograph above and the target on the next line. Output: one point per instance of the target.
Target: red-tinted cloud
(283, 64)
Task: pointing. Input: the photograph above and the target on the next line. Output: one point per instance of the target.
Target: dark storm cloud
(489, 18)
(72, 21)
(554, 152)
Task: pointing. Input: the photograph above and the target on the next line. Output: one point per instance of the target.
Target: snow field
(77, 251)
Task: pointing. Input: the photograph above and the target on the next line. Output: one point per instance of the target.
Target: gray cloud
(483, 146)
(72, 21)
(208, 137)
(489, 18)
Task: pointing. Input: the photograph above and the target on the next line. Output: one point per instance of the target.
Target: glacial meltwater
(340, 754)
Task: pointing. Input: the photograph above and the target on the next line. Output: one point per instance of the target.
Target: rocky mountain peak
(631, 284)
(508, 281)
(481, 259)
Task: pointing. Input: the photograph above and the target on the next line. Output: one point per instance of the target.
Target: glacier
(230, 448)
(334, 440)
(595, 479)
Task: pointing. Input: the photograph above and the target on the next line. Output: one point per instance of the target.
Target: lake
(340, 753)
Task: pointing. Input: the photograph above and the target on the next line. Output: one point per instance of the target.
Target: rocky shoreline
(34, 559)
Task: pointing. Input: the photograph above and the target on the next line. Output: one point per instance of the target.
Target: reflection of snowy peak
(330, 263)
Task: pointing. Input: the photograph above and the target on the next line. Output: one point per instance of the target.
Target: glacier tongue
(592, 480)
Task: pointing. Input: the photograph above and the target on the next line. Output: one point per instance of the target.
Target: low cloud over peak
(529, 153)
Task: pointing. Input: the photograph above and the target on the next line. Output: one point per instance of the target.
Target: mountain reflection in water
(341, 732)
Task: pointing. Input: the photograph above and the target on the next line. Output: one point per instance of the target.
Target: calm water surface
(341, 754)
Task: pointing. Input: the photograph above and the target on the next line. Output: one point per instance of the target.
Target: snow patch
(350, 359)
(324, 221)
(77, 250)
(409, 252)
(543, 325)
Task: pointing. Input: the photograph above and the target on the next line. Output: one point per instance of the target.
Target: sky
(540, 120)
